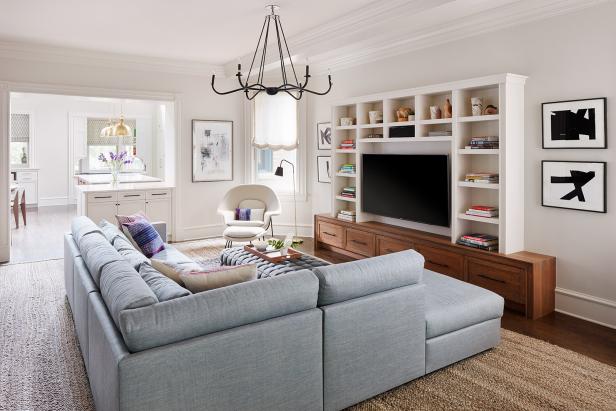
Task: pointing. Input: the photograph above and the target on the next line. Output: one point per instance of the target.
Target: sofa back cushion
(216, 310)
(97, 253)
(82, 226)
(163, 287)
(122, 288)
(341, 282)
(123, 245)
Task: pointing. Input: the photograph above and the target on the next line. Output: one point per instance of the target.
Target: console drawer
(331, 234)
(103, 197)
(385, 245)
(442, 261)
(505, 280)
(360, 242)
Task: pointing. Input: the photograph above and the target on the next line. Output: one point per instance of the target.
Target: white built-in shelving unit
(506, 91)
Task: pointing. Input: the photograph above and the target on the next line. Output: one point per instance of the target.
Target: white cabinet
(28, 179)
(155, 203)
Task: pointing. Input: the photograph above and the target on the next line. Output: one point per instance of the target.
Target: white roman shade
(275, 122)
(20, 128)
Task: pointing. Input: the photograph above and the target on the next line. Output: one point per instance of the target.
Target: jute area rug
(41, 366)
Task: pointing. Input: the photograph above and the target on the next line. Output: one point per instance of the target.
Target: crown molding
(62, 55)
(402, 37)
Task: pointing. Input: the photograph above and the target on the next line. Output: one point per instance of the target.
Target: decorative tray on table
(274, 256)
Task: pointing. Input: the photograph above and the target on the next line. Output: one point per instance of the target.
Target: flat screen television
(408, 187)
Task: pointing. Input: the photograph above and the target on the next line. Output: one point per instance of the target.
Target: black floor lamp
(280, 173)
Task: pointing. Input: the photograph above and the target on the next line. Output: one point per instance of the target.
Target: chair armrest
(267, 216)
(161, 228)
(227, 215)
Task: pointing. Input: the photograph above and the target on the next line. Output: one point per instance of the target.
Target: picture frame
(324, 169)
(212, 150)
(575, 185)
(324, 135)
(575, 124)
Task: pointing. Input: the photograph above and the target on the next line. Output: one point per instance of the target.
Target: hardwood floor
(584, 337)
(42, 237)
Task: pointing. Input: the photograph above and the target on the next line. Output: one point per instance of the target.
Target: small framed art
(212, 150)
(324, 136)
(324, 169)
(575, 123)
(577, 185)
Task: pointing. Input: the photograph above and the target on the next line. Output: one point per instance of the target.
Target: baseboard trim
(199, 232)
(586, 307)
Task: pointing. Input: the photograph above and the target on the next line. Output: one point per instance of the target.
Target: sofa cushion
(145, 235)
(163, 287)
(173, 270)
(110, 231)
(217, 310)
(123, 288)
(82, 226)
(453, 304)
(172, 255)
(341, 282)
(123, 246)
(97, 253)
(216, 277)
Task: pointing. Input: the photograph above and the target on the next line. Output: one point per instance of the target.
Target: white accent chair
(255, 196)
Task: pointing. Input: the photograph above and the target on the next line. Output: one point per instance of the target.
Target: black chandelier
(294, 89)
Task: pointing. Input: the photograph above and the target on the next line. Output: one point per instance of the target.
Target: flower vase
(115, 171)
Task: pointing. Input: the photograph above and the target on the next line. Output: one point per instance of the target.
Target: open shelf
(485, 151)
(489, 186)
(346, 175)
(399, 123)
(346, 127)
(436, 121)
(488, 117)
(350, 200)
(487, 220)
(343, 151)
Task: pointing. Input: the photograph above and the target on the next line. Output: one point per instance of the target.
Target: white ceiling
(197, 36)
(211, 31)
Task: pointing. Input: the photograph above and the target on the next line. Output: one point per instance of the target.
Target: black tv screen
(408, 187)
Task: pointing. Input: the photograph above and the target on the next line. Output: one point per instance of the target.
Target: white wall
(51, 130)
(565, 57)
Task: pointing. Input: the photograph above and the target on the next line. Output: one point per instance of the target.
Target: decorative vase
(375, 117)
(403, 113)
(412, 117)
(447, 113)
(346, 121)
(490, 109)
(476, 106)
(435, 112)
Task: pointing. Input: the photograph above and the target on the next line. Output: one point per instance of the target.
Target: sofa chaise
(324, 338)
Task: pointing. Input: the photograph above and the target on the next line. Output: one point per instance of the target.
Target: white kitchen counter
(123, 177)
(101, 188)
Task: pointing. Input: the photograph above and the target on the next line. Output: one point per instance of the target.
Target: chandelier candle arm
(294, 89)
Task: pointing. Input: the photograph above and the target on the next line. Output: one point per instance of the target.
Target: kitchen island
(105, 201)
(105, 178)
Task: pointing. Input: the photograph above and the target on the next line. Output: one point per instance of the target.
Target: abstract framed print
(324, 136)
(577, 185)
(575, 123)
(324, 169)
(212, 150)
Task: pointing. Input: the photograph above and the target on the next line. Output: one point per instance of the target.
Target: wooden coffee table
(274, 256)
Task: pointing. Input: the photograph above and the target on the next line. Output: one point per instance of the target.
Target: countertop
(101, 188)
(123, 177)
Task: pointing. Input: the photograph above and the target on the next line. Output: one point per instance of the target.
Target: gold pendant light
(121, 129)
(107, 131)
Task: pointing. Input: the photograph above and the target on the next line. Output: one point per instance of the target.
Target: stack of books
(346, 215)
(482, 241)
(348, 192)
(347, 145)
(481, 178)
(347, 169)
(483, 211)
(486, 142)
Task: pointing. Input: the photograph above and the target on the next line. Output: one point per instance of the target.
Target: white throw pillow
(256, 214)
(198, 281)
(173, 270)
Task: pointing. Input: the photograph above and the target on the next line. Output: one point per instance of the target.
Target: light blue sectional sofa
(307, 340)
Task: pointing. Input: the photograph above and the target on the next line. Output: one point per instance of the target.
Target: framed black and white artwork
(212, 150)
(578, 185)
(575, 123)
(324, 136)
(324, 169)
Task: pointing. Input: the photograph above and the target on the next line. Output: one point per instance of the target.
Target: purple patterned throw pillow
(242, 214)
(145, 236)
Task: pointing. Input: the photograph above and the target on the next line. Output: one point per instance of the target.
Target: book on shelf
(481, 247)
(486, 142)
(481, 178)
(346, 217)
(482, 211)
(442, 133)
(374, 136)
(347, 212)
(480, 239)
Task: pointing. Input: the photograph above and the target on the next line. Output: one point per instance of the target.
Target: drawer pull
(131, 195)
(102, 196)
(438, 264)
(330, 234)
(359, 242)
(159, 194)
(487, 277)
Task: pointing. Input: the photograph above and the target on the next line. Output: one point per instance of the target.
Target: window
(20, 140)
(275, 139)
(103, 145)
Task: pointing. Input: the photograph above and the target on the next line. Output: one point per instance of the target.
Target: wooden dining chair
(14, 204)
(22, 204)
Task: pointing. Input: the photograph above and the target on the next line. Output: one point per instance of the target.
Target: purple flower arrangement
(116, 162)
